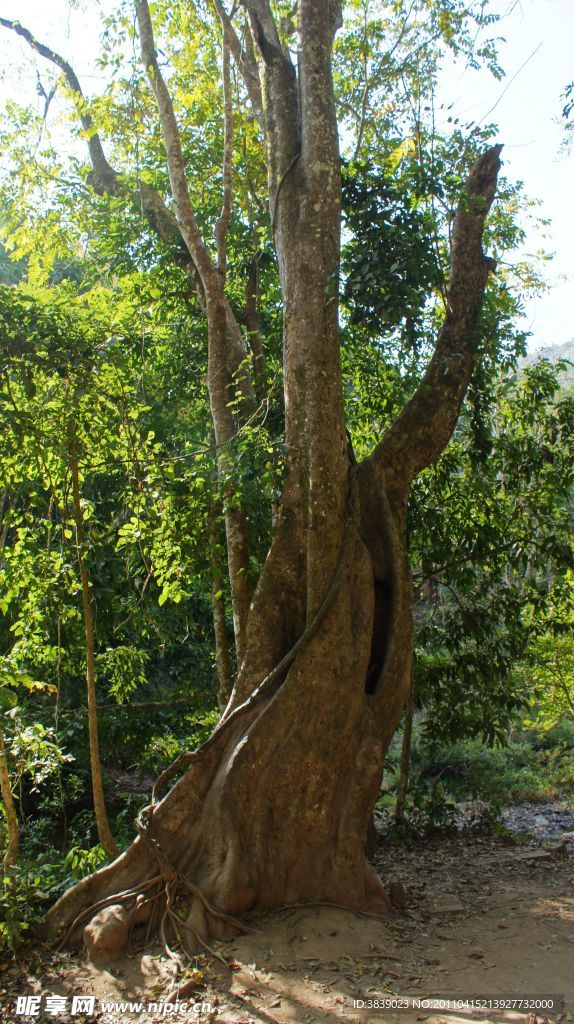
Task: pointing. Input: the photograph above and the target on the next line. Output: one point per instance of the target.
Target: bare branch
(104, 179)
(423, 429)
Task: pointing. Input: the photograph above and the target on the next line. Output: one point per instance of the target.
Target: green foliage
(389, 265)
(41, 875)
(466, 781)
(66, 359)
(489, 570)
(84, 862)
(34, 753)
(164, 748)
(17, 896)
(548, 664)
(123, 669)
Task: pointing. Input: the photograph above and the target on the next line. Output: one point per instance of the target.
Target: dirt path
(482, 918)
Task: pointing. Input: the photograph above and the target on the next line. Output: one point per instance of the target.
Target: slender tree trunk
(223, 665)
(224, 336)
(11, 854)
(104, 832)
(253, 318)
(57, 725)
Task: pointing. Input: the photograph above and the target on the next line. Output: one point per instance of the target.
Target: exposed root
(153, 921)
(151, 924)
(219, 914)
(144, 825)
(169, 881)
(168, 915)
(120, 897)
(206, 946)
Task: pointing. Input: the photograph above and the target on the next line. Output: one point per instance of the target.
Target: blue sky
(537, 57)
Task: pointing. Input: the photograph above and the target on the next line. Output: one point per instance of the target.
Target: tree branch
(209, 275)
(104, 178)
(423, 429)
(244, 59)
(175, 162)
(281, 101)
(222, 329)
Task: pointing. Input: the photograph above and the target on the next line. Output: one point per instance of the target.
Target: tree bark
(13, 846)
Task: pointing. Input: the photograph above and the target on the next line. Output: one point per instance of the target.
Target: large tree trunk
(274, 807)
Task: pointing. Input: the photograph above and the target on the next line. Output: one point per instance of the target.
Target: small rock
(107, 934)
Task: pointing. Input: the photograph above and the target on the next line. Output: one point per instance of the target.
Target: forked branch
(265, 30)
(280, 92)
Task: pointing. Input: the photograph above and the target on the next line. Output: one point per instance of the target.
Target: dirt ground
(482, 918)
